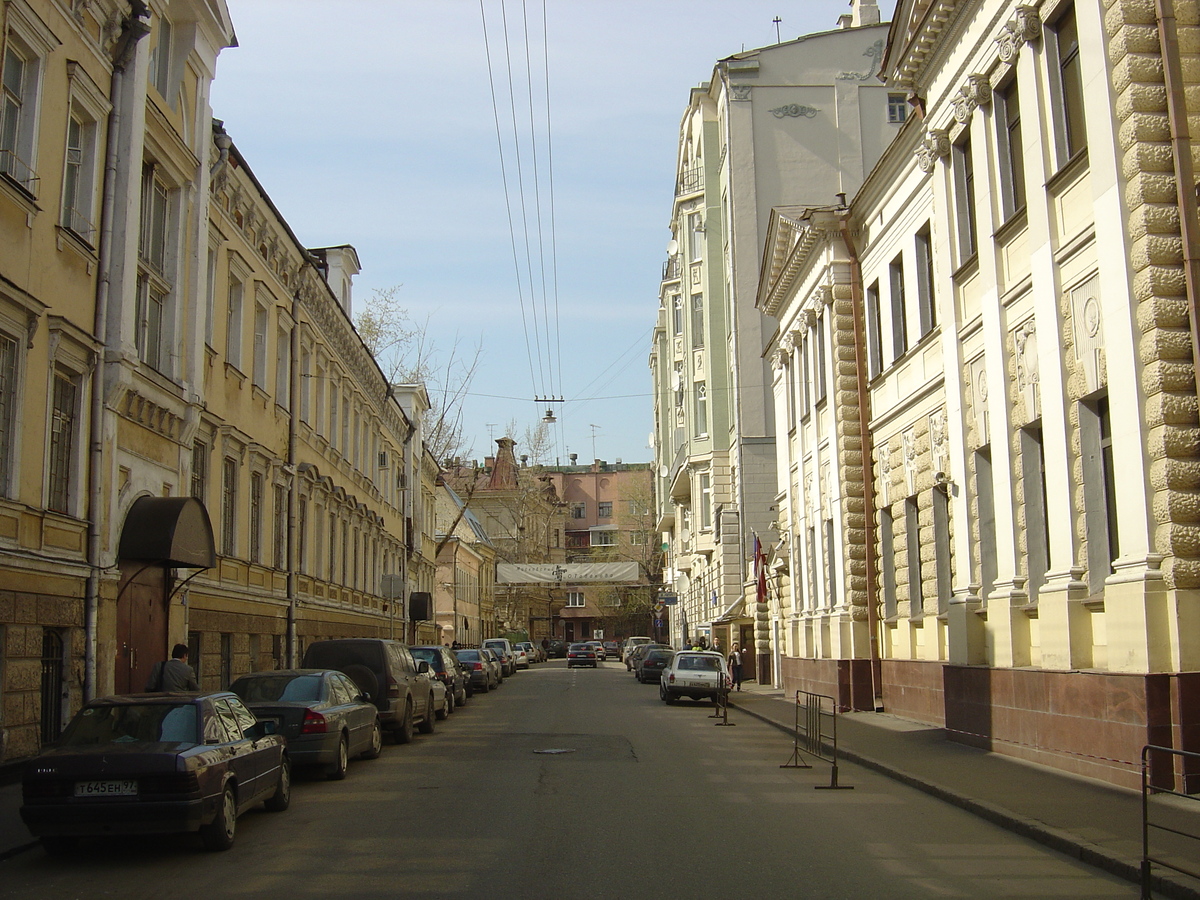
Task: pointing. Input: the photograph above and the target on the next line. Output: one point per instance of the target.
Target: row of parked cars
(195, 761)
(698, 674)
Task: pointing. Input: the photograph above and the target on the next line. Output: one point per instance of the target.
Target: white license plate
(699, 684)
(106, 788)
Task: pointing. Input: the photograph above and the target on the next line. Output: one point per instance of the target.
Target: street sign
(668, 599)
(658, 610)
(658, 623)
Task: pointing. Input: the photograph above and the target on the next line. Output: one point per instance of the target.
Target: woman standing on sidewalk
(735, 667)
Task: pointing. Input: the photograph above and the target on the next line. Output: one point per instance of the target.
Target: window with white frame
(696, 231)
(579, 510)
(160, 58)
(27, 43)
(677, 313)
(79, 176)
(819, 363)
(964, 194)
(899, 308)
(697, 320)
(804, 395)
(789, 390)
(154, 277)
(705, 501)
(210, 295)
(574, 598)
(926, 302)
(874, 332)
(233, 326)
(64, 413)
(604, 509)
(261, 317)
(701, 409)
(604, 538)
(897, 109)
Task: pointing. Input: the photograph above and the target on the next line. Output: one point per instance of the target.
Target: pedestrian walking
(174, 674)
(735, 667)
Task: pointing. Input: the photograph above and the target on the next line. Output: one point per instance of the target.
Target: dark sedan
(483, 676)
(444, 666)
(151, 763)
(652, 663)
(582, 655)
(325, 716)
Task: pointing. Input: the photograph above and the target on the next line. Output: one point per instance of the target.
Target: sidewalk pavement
(1089, 820)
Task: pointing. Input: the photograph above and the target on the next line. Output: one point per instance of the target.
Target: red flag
(760, 571)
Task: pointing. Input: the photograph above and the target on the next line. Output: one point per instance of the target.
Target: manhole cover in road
(554, 751)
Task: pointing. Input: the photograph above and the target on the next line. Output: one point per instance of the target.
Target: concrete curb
(1056, 839)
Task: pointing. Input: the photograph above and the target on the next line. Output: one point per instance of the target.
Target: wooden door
(141, 625)
(749, 660)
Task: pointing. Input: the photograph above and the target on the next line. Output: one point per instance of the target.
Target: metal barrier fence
(813, 738)
(722, 701)
(1185, 827)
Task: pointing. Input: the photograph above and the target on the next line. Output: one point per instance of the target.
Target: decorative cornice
(795, 111)
(934, 146)
(875, 54)
(975, 93)
(1025, 27)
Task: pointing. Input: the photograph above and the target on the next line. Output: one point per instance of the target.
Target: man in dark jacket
(175, 674)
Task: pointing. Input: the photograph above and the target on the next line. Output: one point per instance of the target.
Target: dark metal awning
(174, 531)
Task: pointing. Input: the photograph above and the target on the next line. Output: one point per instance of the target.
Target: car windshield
(285, 688)
(125, 724)
(705, 663)
(428, 654)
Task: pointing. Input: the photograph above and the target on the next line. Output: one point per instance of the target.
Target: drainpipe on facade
(868, 456)
(133, 29)
(293, 554)
(1185, 181)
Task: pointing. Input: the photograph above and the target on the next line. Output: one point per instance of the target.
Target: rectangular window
(331, 562)
(696, 230)
(79, 177)
(305, 387)
(200, 471)
(160, 61)
(63, 416)
(831, 565)
(899, 309)
(701, 409)
(153, 286)
(302, 537)
(819, 362)
(256, 516)
(1099, 491)
(1067, 88)
(604, 539)
(229, 485)
(233, 333)
(912, 539)
(20, 80)
(705, 501)
(803, 376)
(897, 109)
(574, 598)
(604, 509)
(578, 510)
(260, 346)
(874, 332)
(1010, 151)
(1037, 525)
(986, 506)
(8, 409)
(346, 408)
(280, 542)
(789, 390)
(941, 548)
(283, 367)
(887, 561)
(697, 320)
(334, 394)
(677, 314)
(964, 190)
(926, 300)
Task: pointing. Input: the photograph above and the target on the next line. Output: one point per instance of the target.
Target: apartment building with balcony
(794, 123)
(985, 524)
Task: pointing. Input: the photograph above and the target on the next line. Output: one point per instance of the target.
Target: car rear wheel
(427, 726)
(219, 834)
(336, 770)
(404, 732)
(447, 706)
(451, 700)
(282, 798)
(376, 746)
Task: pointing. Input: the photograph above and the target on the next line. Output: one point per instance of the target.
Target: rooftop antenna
(777, 21)
(594, 427)
(491, 427)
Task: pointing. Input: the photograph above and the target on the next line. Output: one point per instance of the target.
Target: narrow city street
(643, 799)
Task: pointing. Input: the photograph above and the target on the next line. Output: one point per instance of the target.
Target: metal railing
(672, 269)
(812, 736)
(690, 181)
(722, 700)
(19, 171)
(1177, 766)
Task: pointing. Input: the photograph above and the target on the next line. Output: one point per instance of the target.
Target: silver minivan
(504, 649)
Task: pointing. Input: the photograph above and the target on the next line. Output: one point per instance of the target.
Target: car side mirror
(365, 698)
(423, 668)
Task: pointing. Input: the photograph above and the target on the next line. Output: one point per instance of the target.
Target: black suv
(444, 665)
(399, 686)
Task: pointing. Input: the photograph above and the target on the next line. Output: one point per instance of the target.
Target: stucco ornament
(1025, 26)
(910, 460)
(975, 93)
(934, 146)
(1088, 331)
(794, 110)
(739, 91)
(939, 441)
(1025, 342)
(875, 54)
(883, 466)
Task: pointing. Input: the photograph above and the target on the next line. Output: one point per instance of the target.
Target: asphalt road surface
(642, 800)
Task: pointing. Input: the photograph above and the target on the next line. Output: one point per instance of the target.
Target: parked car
(558, 650)
(598, 647)
(398, 685)
(612, 650)
(482, 672)
(634, 654)
(444, 666)
(652, 663)
(631, 642)
(325, 716)
(496, 663)
(149, 763)
(533, 651)
(520, 657)
(504, 650)
(692, 673)
(582, 655)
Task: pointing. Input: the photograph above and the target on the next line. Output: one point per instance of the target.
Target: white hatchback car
(693, 673)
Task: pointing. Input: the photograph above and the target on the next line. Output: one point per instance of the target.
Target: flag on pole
(760, 571)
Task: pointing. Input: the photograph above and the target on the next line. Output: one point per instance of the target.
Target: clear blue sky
(371, 123)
